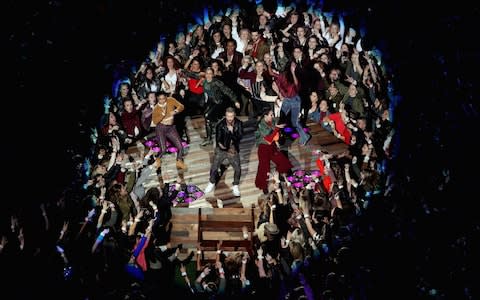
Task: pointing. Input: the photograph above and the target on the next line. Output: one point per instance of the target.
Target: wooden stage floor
(198, 160)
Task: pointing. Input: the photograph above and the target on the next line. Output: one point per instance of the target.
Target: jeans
(292, 105)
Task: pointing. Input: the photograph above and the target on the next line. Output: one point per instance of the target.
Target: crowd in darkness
(418, 241)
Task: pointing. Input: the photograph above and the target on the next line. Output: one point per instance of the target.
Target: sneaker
(236, 191)
(209, 187)
(206, 142)
(181, 165)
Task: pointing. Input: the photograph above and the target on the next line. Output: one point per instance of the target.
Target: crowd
(320, 235)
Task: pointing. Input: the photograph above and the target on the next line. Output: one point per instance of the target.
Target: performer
(228, 134)
(162, 118)
(215, 91)
(287, 87)
(267, 136)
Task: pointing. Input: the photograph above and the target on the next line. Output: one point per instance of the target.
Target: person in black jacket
(229, 132)
(219, 96)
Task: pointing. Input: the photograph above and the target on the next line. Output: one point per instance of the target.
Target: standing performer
(288, 87)
(162, 117)
(229, 132)
(215, 91)
(267, 136)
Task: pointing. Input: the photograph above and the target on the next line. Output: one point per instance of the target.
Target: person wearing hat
(270, 238)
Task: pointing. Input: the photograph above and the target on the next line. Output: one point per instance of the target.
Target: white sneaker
(236, 191)
(209, 187)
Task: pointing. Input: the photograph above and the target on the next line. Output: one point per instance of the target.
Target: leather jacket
(225, 137)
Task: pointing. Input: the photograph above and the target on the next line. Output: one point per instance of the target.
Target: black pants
(195, 104)
(233, 159)
(213, 113)
(259, 106)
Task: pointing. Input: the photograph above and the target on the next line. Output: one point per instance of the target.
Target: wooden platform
(199, 161)
(186, 220)
(192, 226)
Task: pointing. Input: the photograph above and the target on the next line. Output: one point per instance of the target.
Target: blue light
(206, 18)
(198, 19)
(115, 87)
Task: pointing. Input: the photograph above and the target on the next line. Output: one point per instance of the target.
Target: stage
(199, 158)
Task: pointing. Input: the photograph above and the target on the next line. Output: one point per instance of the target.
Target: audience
(331, 233)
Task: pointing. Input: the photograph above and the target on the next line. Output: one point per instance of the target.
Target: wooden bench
(217, 224)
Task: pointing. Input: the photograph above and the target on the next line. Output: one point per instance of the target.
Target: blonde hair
(298, 237)
(296, 250)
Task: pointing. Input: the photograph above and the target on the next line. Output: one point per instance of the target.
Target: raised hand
(206, 271)
(3, 243)
(106, 103)
(65, 227)
(90, 214)
(182, 268)
(293, 66)
(105, 232)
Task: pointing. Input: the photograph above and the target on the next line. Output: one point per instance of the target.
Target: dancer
(267, 136)
(287, 87)
(162, 117)
(229, 132)
(215, 91)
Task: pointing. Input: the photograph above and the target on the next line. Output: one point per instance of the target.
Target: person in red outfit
(267, 135)
(131, 121)
(338, 126)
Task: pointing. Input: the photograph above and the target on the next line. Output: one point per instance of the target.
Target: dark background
(60, 58)
(63, 54)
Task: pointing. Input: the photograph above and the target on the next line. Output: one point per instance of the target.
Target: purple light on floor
(191, 188)
(288, 129)
(172, 149)
(198, 194)
(299, 173)
(306, 129)
(184, 144)
(307, 179)
(315, 173)
(156, 149)
(295, 136)
(189, 200)
(298, 185)
(290, 178)
(149, 144)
